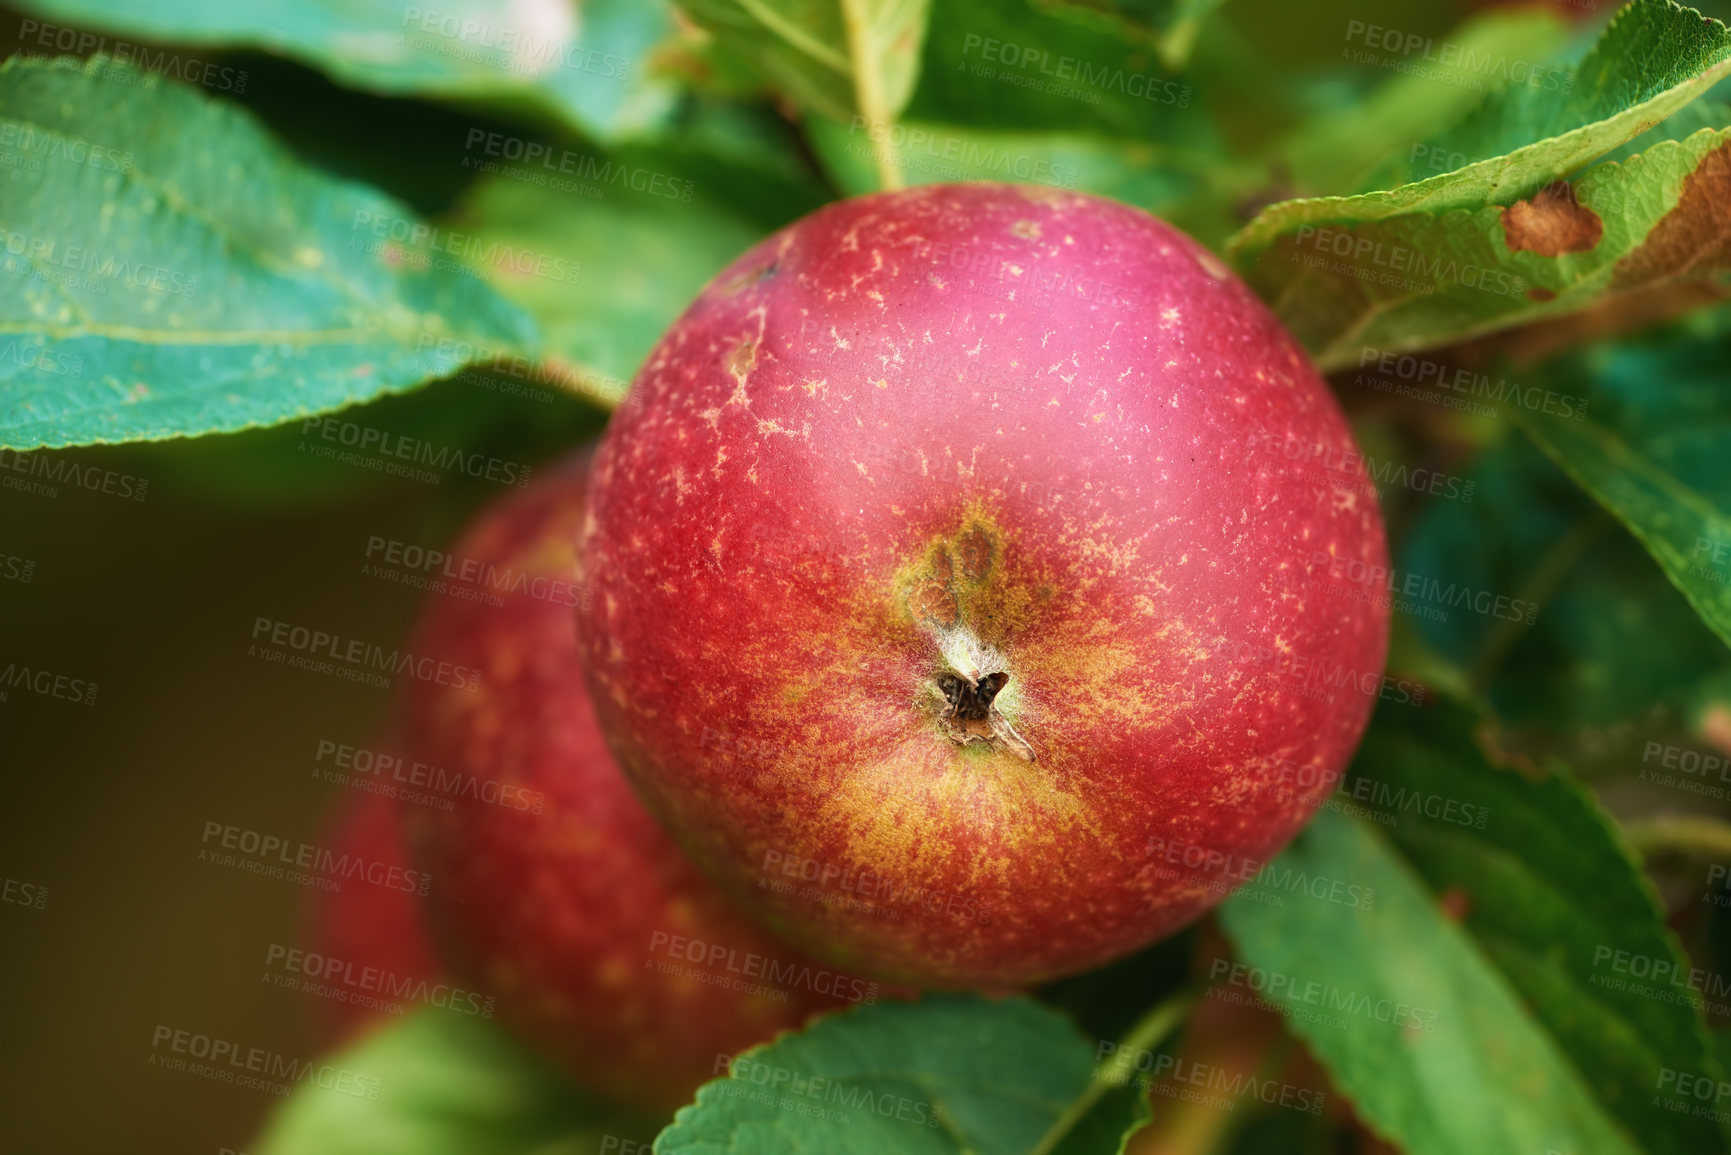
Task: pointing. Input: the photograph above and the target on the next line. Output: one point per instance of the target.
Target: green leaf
(948, 1074)
(172, 271)
(833, 57)
(438, 1084)
(585, 65)
(1341, 150)
(1655, 57)
(1169, 25)
(1009, 66)
(1419, 280)
(1159, 179)
(1610, 637)
(1551, 892)
(1457, 1033)
(1503, 899)
(1037, 94)
(1653, 450)
(641, 261)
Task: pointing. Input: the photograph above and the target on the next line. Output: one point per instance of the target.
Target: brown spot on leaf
(1552, 223)
(932, 601)
(976, 550)
(1455, 903)
(1694, 238)
(1540, 293)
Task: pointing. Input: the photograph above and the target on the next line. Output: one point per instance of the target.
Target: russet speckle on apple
(927, 549)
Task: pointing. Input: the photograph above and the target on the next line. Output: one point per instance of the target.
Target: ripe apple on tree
(553, 889)
(365, 941)
(937, 546)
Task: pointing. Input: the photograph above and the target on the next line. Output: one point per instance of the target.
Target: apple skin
(1008, 428)
(552, 888)
(362, 927)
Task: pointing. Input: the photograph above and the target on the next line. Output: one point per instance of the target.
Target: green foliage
(1589, 631)
(1336, 152)
(1171, 26)
(640, 261)
(1655, 57)
(1409, 1016)
(1497, 240)
(1654, 451)
(835, 57)
(947, 1074)
(589, 69)
(439, 1083)
(1503, 899)
(173, 272)
(1418, 279)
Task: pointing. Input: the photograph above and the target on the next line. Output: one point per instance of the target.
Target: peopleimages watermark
(303, 863)
(17, 892)
(1222, 873)
(26, 146)
(400, 455)
(1718, 885)
(1663, 980)
(1318, 679)
(1298, 997)
(416, 244)
(1203, 1084)
(1457, 65)
(1687, 1093)
(47, 684)
(45, 471)
(78, 42)
(1471, 383)
(860, 890)
(1388, 264)
(1040, 70)
(414, 781)
(554, 374)
(803, 1093)
(1362, 796)
(944, 155)
(543, 164)
(255, 1068)
(369, 987)
(1663, 764)
(1414, 593)
(1347, 469)
(354, 660)
(1715, 568)
(34, 353)
(87, 269)
(748, 972)
(471, 578)
(523, 50)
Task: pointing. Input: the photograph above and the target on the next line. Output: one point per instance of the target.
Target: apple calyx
(969, 715)
(954, 584)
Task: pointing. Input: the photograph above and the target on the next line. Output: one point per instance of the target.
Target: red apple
(947, 548)
(552, 889)
(366, 944)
